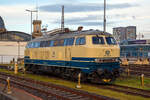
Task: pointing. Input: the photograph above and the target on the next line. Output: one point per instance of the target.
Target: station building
(135, 49)
(12, 43)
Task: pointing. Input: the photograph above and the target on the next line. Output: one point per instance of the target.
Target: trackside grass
(89, 88)
(133, 81)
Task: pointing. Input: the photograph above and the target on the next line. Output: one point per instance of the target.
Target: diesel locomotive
(93, 53)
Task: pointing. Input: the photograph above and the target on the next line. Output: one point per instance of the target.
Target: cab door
(68, 46)
(67, 53)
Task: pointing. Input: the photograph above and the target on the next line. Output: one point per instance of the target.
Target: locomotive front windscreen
(98, 40)
(111, 41)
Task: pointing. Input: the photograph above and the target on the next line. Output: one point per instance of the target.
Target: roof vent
(80, 28)
(67, 30)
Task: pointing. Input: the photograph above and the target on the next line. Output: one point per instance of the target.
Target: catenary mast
(62, 19)
(104, 16)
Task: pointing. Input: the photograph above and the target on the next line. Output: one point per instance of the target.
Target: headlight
(98, 60)
(106, 60)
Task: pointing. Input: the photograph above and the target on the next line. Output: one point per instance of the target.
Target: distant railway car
(92, 53)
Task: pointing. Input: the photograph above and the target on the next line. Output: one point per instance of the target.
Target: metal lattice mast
(37, 9)
(62, 19)
(104, 15)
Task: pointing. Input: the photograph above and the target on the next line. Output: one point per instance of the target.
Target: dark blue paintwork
(86, 67)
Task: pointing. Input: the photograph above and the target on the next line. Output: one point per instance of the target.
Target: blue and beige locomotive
(92, 53)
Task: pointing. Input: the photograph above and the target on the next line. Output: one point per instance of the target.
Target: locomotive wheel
(106, 77)
(28, 67)
(83, 77)
(95, 78)
(75, 75)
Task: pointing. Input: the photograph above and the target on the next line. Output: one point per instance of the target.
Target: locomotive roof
(62, 35)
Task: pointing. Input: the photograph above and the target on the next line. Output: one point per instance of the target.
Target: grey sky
(85, 7)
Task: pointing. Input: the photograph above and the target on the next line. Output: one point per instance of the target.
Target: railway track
(139, 73)
(120, 88)
(117, 88)
(137, 66)
(127, 90)
(138, 69)
(49, 91)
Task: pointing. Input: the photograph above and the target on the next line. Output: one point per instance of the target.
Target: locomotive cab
(102, 52)
(101, 46)
(106, 52)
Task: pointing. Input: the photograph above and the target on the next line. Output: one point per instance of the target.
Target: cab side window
(68, 41)
(28, 45)
(80, 41)
(46, 43)
(51, 43)
(111, 41)
(97, 40)
(61, 42)
(65, 42)
(42, 43)
(37, 44)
